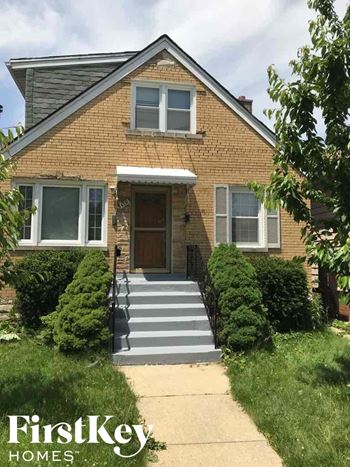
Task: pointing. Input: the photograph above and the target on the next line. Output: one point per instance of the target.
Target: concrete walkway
(192, 410)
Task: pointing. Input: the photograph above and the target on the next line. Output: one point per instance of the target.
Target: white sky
(234, 40)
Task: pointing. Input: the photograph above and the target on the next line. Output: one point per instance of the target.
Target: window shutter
(273, 228)
(221, 214)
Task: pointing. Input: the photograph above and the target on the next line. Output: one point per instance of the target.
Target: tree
(312, 164)
(11, 217)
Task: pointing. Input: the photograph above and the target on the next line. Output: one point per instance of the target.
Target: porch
(151, 216)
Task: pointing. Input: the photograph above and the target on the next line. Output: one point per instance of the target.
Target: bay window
(68, 214)
(242, 219)
(163, 107)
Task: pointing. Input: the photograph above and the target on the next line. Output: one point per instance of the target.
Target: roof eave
(12, 73)
(68, 60)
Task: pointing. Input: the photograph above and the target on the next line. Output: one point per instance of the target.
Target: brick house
(145, 150)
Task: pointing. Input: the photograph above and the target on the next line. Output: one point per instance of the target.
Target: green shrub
(242, 321)
(80, 321)
(39, 279)
(318, 313)
(284, 288)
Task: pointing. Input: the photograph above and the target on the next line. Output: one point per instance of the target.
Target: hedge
(80, 321)
(284, 288)
(242, 318)
(39, 279)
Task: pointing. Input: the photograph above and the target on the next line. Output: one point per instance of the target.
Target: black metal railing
(117, 253)
(197, 271)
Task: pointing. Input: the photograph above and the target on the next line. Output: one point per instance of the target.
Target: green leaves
(80, 319)
(312, 164)
(11, 219)
(242, 320)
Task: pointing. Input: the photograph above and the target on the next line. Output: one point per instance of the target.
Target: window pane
(147, 118)
(179, 99)
(221, 229)
(245, 230)
(26, 203)
(272, 230)
(245, 204)
(95, 214)
(179, 120)
(60, 213)
(147, 96)
(221, 200)
(272, 212)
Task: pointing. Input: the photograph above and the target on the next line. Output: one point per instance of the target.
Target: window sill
(252, 249)
(57, 247)
(165, 134)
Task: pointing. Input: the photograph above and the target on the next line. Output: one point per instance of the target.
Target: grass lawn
(37, 380)
(299, 397)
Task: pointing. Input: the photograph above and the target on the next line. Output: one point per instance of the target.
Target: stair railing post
(117, 253)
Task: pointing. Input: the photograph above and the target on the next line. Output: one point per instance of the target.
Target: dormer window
(147, 107)
(179, 110)
(163, 107)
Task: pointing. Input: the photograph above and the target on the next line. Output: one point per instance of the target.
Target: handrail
(117, 253)
(198, 271)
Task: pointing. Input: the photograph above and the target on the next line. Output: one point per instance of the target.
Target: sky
(234, 40)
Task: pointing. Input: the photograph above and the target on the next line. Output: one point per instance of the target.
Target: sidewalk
(192, 410)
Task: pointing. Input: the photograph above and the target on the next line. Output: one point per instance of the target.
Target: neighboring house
(145, 150)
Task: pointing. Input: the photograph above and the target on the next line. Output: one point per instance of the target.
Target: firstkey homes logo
(93, 429)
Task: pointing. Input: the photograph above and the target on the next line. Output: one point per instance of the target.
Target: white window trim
(262, 245)
(82, 241)
(29, 241)
(163, 104)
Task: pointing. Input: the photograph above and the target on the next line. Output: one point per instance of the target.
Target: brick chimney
(247, 103)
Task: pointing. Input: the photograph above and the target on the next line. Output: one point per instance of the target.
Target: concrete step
(161, 310)
(162, 338)
(156, 286)
(143, 298)
(169, 323)
(151, 277)
(167, 355)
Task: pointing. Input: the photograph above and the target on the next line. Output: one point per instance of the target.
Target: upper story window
(242, 219)
(67, 214)
(147, 107)
(163, 107)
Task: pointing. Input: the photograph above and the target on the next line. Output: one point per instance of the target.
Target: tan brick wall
(93, 141)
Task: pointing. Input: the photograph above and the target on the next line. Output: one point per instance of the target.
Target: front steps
(161, 319)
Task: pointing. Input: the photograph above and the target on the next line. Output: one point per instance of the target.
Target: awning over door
(155, 175)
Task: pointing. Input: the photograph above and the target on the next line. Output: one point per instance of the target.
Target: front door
(150, 230)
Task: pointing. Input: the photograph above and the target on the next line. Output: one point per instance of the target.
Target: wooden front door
(151, 229)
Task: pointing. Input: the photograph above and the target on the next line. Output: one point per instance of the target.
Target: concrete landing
(192, 410)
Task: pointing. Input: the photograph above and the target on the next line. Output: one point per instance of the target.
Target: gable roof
(162, 43)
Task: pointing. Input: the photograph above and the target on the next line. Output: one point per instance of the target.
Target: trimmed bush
(284, 288)
(242, 319)
(80, 321)
(39, 279)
